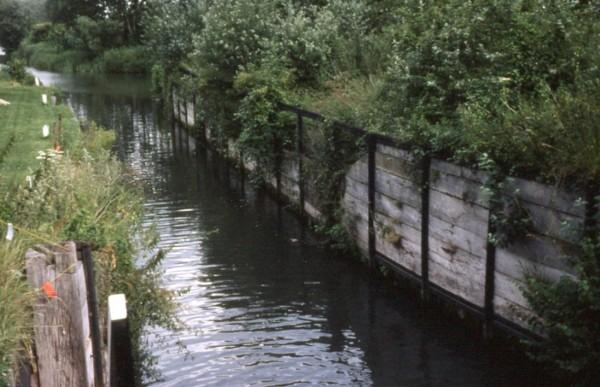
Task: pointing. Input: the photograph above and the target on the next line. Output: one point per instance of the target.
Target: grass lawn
(21, 130)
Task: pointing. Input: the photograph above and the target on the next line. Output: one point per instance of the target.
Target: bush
(16, 70)
(40, 32)
(568, 313)
(130, 60)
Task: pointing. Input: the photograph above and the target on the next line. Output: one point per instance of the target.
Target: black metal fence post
(371, 149)
(94, 315)
(425, 176)
(278, 164)
(300, 152)
(490, 271)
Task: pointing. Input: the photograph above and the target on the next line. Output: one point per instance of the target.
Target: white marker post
(45, 131)
(37, 81)
(10, 232)
(44, 99)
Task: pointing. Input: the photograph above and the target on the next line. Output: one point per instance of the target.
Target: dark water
(262, 308)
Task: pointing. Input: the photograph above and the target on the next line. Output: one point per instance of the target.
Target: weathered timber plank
(398, 242)
(463, 287)
(290, 189)
(396, 153)
(460, 188)
(537, 250)
(517, 266)
(407, 255)
(546, 196)
(511, 311)
(358, 228)
(470, 217)
(353, 206)
(359, 171)
(439, 166)
(394, 231)
(460, 262)
(510, 289)
(457, 236)
(191, 116)
(552, 223)
(398, 188)
(312, 210)
(357, 189)
(289, 166)
(397, 210)
(398, 166)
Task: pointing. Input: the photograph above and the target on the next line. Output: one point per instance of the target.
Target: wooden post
(425, 175)
(300, 153)
(371, 149)
(120, 367)
(61, 321)
(94, 315)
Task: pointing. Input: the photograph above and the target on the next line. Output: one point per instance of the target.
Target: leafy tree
(66, 11)
(14, 24)
(169, 27)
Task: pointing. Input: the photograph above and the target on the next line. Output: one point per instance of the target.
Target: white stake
(10, 232)
(45, 131)
(37, 81)
(44, 99)
(29, 181)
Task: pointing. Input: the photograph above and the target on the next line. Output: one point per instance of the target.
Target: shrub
(125, 60)
(16, 70)
(568, 313)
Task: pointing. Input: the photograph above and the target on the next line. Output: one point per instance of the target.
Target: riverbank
(21, 125)
(62, 200)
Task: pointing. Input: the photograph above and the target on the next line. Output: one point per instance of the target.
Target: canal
(263, 302)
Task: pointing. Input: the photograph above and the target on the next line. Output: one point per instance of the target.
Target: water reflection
(266, 305)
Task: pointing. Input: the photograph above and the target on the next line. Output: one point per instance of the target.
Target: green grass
(21, 130)
(15, 297)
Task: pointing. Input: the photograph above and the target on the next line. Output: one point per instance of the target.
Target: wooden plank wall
(355, 203)
(458, 228)
(398, 207)
(457, 224)
(543, 251)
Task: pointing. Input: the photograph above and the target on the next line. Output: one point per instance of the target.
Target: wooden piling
(61, 324)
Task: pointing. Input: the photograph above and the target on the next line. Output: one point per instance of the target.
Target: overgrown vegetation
(62, 200)
(568, 312)
(15, 297)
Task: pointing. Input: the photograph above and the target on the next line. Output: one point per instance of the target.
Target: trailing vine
(509, 219)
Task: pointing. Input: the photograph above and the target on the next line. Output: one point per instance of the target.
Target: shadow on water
(265, 304)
